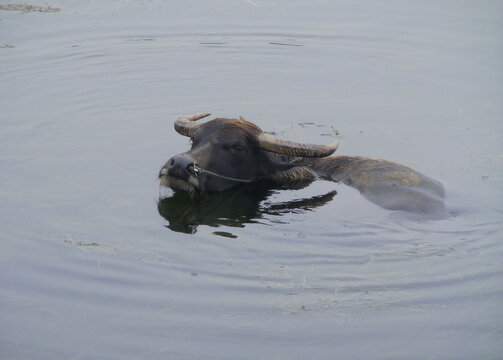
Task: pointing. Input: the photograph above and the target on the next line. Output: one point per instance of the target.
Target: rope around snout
(199, 170)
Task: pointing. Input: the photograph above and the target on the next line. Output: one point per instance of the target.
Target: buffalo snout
(179, 166)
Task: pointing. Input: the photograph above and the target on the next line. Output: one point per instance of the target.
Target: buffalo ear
(273, 144)
(186, 125)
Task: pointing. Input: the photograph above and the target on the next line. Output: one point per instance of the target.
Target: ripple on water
(88, 267)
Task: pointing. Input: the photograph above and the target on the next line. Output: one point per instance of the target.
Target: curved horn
(273, 144)
(186, 125)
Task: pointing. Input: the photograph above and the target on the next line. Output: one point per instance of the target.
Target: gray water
(89, 269)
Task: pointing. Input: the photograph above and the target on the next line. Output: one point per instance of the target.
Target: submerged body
(228, 152)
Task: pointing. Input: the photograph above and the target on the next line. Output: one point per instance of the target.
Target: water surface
(91, 270)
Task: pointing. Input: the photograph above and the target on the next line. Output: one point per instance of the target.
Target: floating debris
(305, 124)
(80, 243)
(225, 234)
(141, 39)
(28, 8)
(284, 44)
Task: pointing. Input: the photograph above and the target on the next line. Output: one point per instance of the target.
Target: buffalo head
(229, 152)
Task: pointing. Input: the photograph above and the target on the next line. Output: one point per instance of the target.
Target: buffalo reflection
(233, 208)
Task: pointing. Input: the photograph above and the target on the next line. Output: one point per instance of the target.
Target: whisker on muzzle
(165, 192)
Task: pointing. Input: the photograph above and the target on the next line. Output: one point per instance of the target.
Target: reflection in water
(233, 208)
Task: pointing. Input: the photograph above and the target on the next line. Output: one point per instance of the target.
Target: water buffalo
(229, 152)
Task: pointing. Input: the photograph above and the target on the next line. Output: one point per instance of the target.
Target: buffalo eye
(237, 147)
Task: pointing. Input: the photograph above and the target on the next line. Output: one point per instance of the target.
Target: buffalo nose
(179, 166)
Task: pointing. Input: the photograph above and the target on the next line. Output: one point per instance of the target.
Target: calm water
(89, 269)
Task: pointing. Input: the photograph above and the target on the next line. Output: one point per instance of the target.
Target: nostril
(180, 166)
(192, 168)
